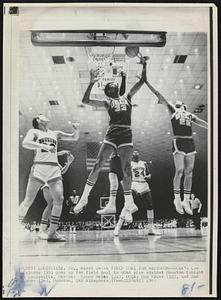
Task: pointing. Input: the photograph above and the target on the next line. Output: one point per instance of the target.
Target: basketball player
(183, 148)
(118, 137)
(141, 190)
(45, 169)
(49, 199)
(115, 173)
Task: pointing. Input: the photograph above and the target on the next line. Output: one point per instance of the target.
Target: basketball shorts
(45, 173)
(183, 146)
(140, 187)
(119, 137)
(115, 167)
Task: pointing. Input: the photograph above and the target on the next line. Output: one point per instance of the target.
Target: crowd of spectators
(97, 225)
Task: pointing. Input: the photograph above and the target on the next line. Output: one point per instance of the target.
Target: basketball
(132, 51)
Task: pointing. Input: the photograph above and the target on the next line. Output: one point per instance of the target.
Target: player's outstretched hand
(95, 75)
(75, 125)
(70, 158)
(144, 59)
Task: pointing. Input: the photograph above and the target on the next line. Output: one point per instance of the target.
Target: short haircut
(106, 89)
(35, 123)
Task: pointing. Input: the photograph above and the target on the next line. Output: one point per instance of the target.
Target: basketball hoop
(100, 56)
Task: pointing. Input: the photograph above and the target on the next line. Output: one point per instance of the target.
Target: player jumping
(118, 137)
(183, 148)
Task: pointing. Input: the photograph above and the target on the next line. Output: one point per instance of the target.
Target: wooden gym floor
(182, 244)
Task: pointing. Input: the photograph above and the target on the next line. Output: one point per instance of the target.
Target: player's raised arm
(199, 122)
(138, 84)
(161, 98)
(30, 142)
(70, 159)
(74, 136)
(123, 83)
(94, 77)
(63, 152)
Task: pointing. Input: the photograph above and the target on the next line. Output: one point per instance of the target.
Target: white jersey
(139, 171)
(49, 138)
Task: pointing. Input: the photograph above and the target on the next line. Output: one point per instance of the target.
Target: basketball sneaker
(116, 230)
(42, 235)
(126, 215)
(55, 237)
(178, 206)
(186, 206)
(109, 209)
(80, 206)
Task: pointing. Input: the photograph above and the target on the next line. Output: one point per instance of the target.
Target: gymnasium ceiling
(41, 80)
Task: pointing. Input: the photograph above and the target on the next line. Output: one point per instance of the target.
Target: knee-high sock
(23, 209)
(128, 198)
(88, 187)
(43, 225)
(150, 218)
(55, 217)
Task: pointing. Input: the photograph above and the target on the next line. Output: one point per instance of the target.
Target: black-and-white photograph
(114, 142)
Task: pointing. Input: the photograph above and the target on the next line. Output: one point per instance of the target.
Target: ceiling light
(196, 50)
(197, 86)
(168, 132)
(168, 59)
(69, 122)
(188, 67)
(194, 132)
(181, 80)
(99, 132)
(21, 136)
(180, 59)
(171, 50)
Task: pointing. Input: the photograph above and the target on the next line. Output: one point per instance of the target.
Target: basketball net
(100, 56)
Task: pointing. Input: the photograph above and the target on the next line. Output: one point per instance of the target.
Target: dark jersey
(182, 123)
(120, 111)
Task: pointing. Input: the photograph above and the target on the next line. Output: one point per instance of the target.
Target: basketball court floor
(182, 244)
